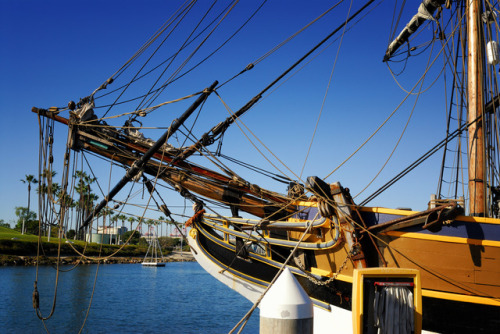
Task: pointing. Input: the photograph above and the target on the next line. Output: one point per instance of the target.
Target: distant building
(149, 236)
(107, 235)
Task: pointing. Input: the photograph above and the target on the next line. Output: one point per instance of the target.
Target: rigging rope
(249, 313)
(288, 39)
(402, 133)
(455, 87)
(388, 118)
(195, 66)
(197, 48)
(276, 177)
(36, 303)
(235, 117)
(144, 111)
(162, 29)
(158, 92)
(222, 127)
(325, 95)
(418, 162)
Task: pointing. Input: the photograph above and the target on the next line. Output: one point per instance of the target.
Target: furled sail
(425, 12)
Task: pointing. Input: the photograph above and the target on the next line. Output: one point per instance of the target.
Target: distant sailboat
(152, 259)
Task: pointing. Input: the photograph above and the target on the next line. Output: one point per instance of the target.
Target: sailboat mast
(475, 104)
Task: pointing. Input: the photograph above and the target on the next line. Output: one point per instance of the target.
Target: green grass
(7, 233)
(14, 243)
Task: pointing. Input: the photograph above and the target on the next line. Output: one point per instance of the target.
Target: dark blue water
(179, 298)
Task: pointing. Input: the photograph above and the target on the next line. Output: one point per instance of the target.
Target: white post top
(286, 299)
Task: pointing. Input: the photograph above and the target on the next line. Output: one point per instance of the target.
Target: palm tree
(28, 179)
(131, 220)
(73, 206)
(87, 198)
(113, 220)
(122, 218)
(45, 181)
(161, 219)
(148, 223)
(105, 212)
(51, 189)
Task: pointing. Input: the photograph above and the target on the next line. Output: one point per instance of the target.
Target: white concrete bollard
(286, 308)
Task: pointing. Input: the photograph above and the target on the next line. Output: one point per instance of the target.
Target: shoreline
(15, 260)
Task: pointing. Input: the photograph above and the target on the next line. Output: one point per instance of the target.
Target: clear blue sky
(56, 51)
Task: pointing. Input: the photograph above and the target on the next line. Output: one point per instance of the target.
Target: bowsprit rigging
(139, 164)
(244, 234)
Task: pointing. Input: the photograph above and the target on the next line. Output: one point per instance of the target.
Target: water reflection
(128, 298)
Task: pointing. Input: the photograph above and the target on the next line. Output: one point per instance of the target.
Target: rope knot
(196, 218)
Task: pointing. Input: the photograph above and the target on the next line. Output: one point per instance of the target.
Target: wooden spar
(255, 206)
(136, 167)
(211, 174)
(475, 104)
(51, 115)
(191, 168)
(165, 158)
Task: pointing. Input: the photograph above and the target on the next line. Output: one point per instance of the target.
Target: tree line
(78, 208)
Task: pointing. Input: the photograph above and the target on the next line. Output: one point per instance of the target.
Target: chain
(331, 279)
(326, 210)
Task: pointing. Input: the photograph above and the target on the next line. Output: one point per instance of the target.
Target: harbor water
(128, 298)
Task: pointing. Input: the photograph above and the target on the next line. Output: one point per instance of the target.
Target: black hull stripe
(440, 315)
(223, 257)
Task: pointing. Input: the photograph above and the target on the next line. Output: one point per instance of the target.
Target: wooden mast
(475, 104)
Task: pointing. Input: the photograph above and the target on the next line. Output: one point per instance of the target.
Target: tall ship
(196, 141)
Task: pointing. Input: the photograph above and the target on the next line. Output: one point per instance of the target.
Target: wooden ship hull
(458, 267)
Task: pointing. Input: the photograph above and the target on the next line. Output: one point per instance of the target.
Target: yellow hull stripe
(494, 221)
(442, 238)
(461, 298)
(444, 295)
(425, 293)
